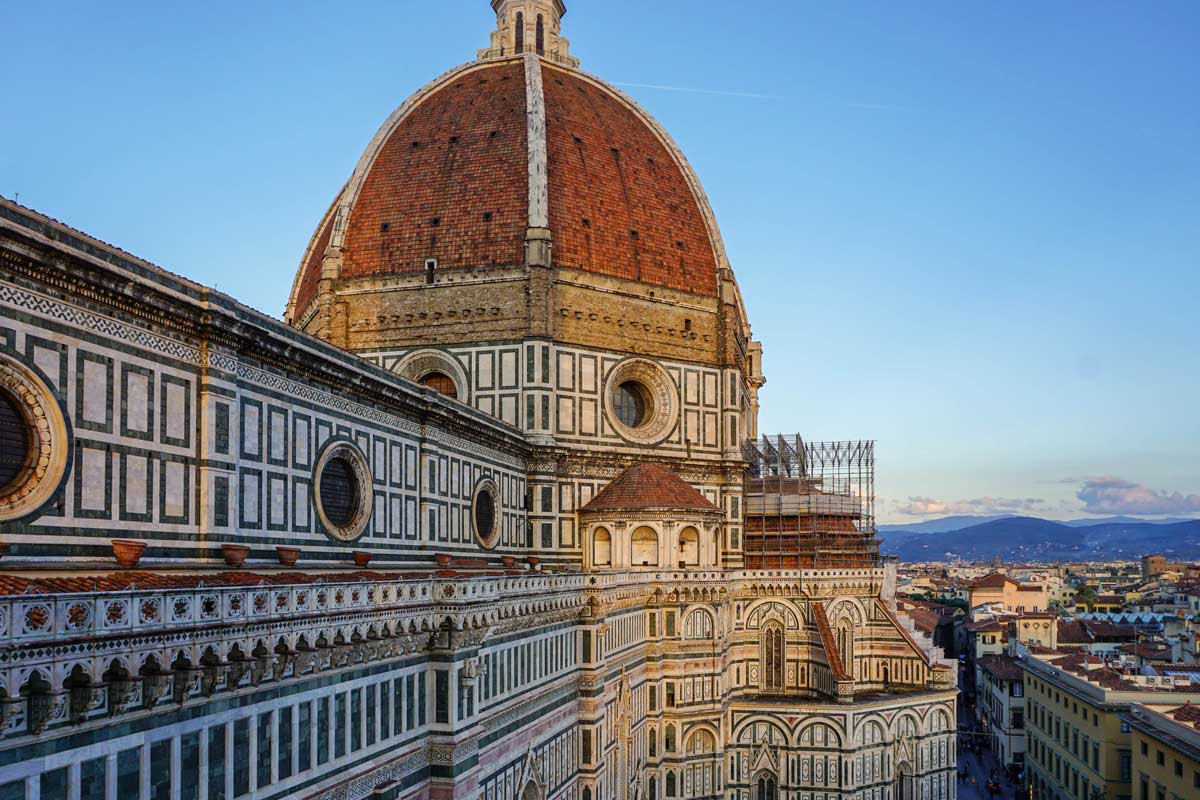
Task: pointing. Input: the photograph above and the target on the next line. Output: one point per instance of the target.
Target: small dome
(468, 165)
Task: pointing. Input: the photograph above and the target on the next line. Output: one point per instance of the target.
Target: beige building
(1003, 590)
(1166, 751)
(1080, 742)
(1001, 707)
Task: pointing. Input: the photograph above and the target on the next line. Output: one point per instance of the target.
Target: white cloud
(979, 506)
(1108, 494)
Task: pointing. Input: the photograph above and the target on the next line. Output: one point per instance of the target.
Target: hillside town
(1076, 680)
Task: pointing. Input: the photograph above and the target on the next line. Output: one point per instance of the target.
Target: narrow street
(978, 767)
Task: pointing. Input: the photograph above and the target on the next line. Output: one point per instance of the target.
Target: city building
(1079, 742)
(1000, 589)
(1153, 565)
(1001, 707)
(486, 516)
(1166, 751)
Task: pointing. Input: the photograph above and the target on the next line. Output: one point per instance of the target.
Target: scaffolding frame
(810, 505)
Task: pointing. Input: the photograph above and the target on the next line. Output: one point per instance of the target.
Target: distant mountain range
(1035, 539)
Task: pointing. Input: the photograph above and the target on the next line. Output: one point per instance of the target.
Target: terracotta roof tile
(608, 167)
(649, 485)
(1006, 668)
(451, 182)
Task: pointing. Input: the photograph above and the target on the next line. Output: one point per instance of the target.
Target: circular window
(339, 495)
(15, 438)
(35, 447)
(437, 370)
(440, 382)
(641, 401)
(342, 490)
(631, 404)
(485, 512)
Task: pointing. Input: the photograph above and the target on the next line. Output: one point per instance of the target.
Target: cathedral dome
(517, 147)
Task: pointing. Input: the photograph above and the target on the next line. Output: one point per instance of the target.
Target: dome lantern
(529, 26)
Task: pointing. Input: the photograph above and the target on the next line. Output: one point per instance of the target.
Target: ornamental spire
(530, 26)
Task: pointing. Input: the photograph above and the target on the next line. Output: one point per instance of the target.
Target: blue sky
(968, 230)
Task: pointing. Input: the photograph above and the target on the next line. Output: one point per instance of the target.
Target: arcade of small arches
(620, 546)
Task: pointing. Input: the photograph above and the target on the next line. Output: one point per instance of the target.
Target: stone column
(252, 751)
(175, 766)
(229, 759)
(73, 779)
(202, 789)
(294, 751)
(110, 777)
(314, 725)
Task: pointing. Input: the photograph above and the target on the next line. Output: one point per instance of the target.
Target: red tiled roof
(994, 581)
(1006, 668)
(832, 656)
(1187, 714)
(926, 621)
(458, 156)
(607, 166)
(451, 182)
(649, 485)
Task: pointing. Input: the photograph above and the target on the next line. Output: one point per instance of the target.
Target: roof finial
(530, 26)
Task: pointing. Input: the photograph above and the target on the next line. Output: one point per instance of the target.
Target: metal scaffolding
(810, 505)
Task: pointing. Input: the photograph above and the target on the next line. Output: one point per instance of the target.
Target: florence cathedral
(487, 515)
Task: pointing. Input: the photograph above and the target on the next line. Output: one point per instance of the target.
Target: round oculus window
(14, 442)
(485, 513)
(339, 493)
(641, 401)
(632, 404)
(35, 448)
(342, 491)
(442, 383)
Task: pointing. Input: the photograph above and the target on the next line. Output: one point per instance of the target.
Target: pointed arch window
(772, 658)
(520, 43)
(541, 36)
(845, 644)
(765, 787)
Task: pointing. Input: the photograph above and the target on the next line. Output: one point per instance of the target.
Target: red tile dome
(466, 166)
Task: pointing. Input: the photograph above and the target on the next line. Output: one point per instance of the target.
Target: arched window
(541, 36)
(765, 787)
(698, 625)
(772, 658)
(653, 788)
(845, 644)
(645, 547)
(670, 784)
(440, 382)
(669, 739)
(689, 547)
(587, 793)
(904, 783)
(653, 743)
(601, 548)
(520, 32)
(531, 792)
